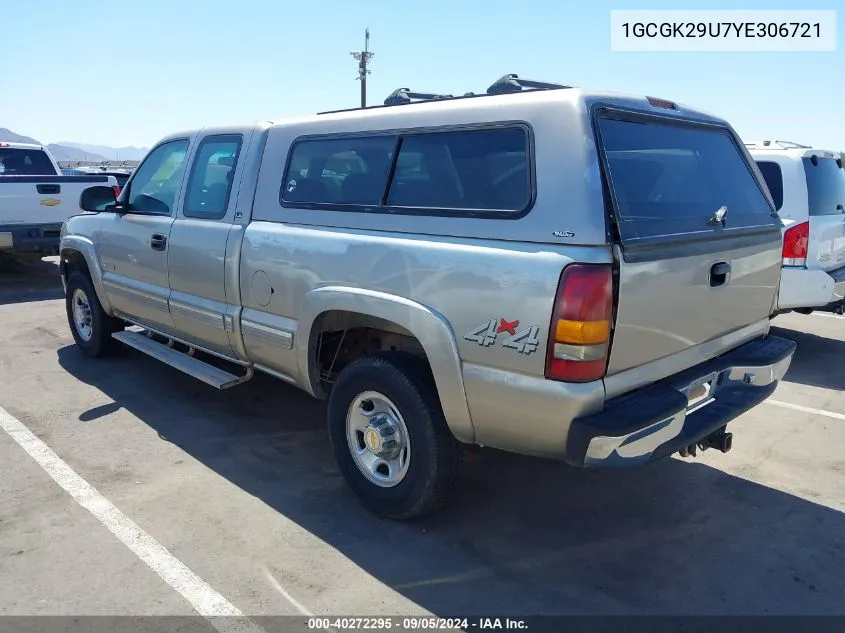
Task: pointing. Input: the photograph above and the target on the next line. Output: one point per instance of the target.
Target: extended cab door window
(210, 182)
(155, 185)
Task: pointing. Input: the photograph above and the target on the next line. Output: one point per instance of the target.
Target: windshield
(825, 186)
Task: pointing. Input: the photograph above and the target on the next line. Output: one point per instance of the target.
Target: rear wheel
(390, 438)
(90, 325)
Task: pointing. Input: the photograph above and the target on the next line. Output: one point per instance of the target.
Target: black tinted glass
(774, 180)
(212, 175)
(342, 170)
(476, 169)
(825, 186)
(25, 162)
(672, 179)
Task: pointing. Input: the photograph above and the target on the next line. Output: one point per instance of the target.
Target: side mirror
(97, 198)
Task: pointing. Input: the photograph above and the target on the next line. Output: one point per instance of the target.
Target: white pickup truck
(35, 199)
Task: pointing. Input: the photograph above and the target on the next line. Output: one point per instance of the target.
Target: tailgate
(44, 199)
(24, 202)
(698, 244)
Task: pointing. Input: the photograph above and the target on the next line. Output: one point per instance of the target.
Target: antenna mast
(364, 58)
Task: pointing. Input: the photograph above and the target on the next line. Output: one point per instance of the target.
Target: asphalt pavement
(129, 488)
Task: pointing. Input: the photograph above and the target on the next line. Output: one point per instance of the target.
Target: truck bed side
(291, 277)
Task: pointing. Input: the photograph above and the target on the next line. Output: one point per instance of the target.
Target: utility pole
(364, 58)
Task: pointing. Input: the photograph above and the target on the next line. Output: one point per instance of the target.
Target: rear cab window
(472, 172)
(825, 185)
(669, 179)
(25, 162)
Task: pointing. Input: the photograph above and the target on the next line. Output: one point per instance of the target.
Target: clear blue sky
(126, 73)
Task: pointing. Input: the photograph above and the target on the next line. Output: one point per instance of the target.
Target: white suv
(808, 189)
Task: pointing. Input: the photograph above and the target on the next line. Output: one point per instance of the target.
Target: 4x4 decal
(484, 334)
(524, 341)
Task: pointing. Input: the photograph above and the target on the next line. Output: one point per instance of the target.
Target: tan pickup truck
(577, 275)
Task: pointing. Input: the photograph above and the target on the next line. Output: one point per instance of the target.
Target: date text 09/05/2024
(722, 29)
(416, 623)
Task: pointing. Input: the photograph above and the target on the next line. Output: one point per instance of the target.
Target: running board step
(209, 374)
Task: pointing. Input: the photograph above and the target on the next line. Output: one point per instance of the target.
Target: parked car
(546, 270)
(120, 174)
(36, 198)
(808, 189)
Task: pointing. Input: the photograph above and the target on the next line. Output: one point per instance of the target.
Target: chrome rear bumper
(668, 416)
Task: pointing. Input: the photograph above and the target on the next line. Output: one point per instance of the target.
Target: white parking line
(829, 315)
(802, 408)
(221, 614)
(278, 587)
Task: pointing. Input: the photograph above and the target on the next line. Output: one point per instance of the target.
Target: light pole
(364, 58)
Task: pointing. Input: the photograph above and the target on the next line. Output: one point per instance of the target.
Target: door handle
(719, 273)
(158, 242)
(48, 189)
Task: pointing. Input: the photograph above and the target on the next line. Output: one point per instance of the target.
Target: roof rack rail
(404, 95)
(791, 144)
(507, 84)
(782, 144)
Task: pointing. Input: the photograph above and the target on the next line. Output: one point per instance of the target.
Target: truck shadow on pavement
(22, 282)
(817, 361)
(522, 535)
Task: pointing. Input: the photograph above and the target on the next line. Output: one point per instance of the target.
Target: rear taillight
(579, 338)
(116, 191)
(795, 241)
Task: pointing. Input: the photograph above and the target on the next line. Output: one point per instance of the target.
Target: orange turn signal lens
(582, 332)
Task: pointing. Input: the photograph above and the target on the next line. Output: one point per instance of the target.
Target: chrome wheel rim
(82, 315)
(378, 439)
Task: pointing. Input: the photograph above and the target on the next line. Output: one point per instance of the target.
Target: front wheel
(91, 327)
(390, 438)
